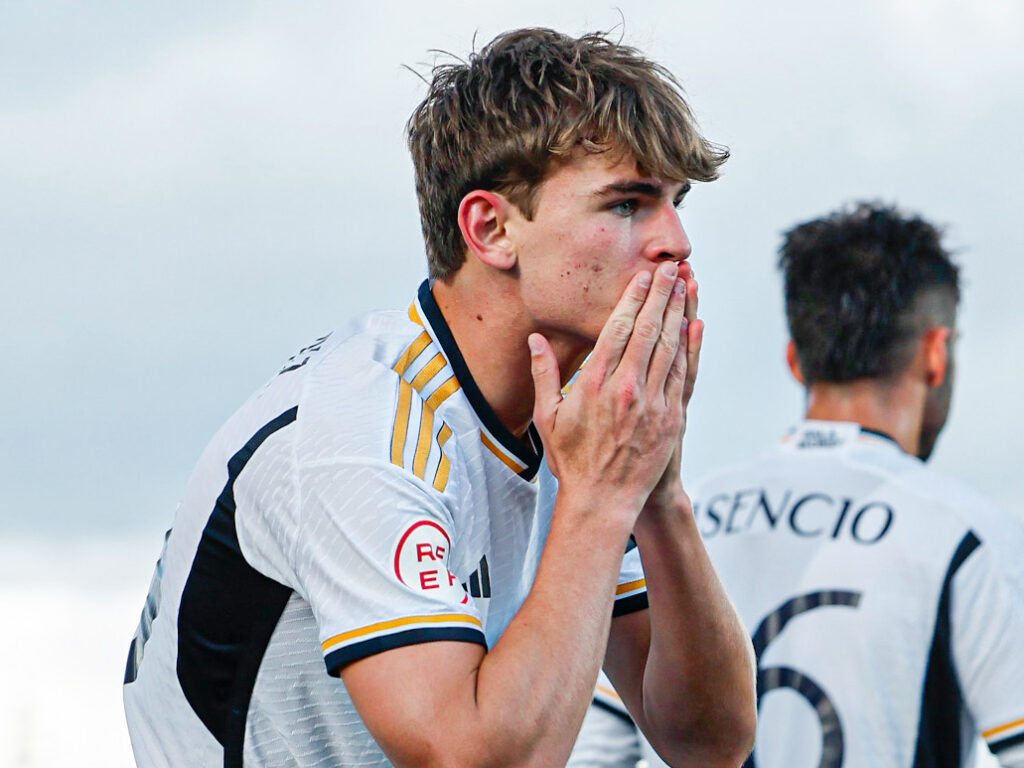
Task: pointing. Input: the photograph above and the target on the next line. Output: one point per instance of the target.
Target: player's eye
(625, 207)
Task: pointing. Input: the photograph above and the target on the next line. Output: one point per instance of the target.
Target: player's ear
(482, 219)
(936, 355)
(794, 363)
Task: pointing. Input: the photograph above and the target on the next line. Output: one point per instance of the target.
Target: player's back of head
(506, 117)
(861, 285)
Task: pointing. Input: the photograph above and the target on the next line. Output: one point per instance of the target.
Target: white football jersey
(367, 498)
(885, 602)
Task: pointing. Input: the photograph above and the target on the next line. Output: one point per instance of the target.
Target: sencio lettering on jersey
(808, 515)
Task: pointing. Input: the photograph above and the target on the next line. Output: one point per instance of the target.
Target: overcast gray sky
(189, 192)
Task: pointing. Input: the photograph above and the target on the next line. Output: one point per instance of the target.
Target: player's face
(596, 224)
(936, 407)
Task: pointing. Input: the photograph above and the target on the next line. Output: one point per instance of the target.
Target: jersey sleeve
(372, 558)
(988, 649)
(631, 592)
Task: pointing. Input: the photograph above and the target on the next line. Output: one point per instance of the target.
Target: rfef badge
(421, 562)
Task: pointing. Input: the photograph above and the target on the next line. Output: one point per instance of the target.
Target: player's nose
(670, 240)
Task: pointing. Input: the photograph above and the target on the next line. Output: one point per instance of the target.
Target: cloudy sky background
(190, 192)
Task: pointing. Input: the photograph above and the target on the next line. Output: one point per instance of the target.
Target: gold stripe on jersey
(419, 462)
(411, 353)
(414, 315)
(401, 426)
(403, 413)
(1003, 729)
(442, 393)
(510, 461)
(444, 466)
(454, 618)
(631, 586)
(429, 371)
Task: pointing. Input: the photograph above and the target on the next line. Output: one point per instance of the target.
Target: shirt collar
(528, 451)
(815, 434)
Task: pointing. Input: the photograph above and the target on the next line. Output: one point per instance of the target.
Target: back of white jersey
(885, 603)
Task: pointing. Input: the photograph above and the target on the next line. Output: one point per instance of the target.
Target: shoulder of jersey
(905, 472)
(974, 509)
(372, 394)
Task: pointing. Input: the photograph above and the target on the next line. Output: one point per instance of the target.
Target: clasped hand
(618, 435)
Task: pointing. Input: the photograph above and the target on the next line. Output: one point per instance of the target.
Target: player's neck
(489, 335)
(896, 409)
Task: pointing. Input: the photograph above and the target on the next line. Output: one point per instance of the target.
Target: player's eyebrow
(646, 188)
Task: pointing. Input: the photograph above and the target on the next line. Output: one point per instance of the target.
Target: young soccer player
(886, 602)
(412, 506)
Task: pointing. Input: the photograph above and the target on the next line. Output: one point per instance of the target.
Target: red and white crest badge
(421, 561)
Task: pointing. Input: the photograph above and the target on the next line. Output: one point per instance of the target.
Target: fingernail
(669, 269)
(682, 328)
(645, 279)
(679, 287)
(534, 344)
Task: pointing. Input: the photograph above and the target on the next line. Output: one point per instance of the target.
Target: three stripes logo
(480, 580)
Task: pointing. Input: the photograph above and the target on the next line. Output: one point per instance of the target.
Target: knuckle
(677, 371)
(629, 391)
(620, 327)
(668, 341)
(647, 329)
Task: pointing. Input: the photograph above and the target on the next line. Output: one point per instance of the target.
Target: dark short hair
(854, 284)
(505, 118)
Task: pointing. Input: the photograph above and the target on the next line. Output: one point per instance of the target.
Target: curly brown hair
(506, 118)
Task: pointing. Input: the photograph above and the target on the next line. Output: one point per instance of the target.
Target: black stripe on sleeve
(227, 614)
(631, 604)
(339, 658)
(1012, 741)
(485, 576)
(938, 735)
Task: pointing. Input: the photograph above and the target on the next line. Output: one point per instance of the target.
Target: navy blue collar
(528, 452)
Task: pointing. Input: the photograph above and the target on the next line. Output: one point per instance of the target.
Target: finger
(694, 341)
(619, 327)
(667, 347)
(547, 384)
(647, 329)
(691, 299)
(675, 380)
(682, 376)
